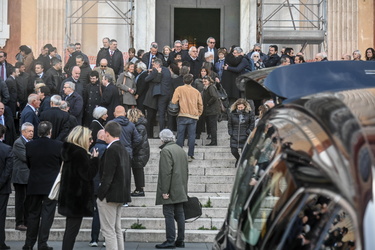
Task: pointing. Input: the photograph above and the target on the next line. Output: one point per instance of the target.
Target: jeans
(189, 124)
(95, 226)
(171, 213)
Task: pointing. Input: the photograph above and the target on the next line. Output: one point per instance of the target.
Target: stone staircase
(211, 177)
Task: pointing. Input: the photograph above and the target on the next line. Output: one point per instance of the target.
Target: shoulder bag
(55, 190)
(192, 209)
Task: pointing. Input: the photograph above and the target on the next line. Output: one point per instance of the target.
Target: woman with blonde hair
(241, 122)
(126, 85)
(141, 154)
(76, 187)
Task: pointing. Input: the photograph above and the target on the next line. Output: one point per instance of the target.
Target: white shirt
(112, 142)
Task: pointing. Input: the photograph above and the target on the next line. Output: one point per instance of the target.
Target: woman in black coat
(240, 124)
(76, 186)
(211, 108)
(141, 154)
(100, 117)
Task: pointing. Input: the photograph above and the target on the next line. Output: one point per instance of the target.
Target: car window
(254, 161)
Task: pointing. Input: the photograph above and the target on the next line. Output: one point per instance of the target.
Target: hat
(166, 135)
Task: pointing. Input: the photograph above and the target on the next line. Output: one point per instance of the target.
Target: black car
(305, 177)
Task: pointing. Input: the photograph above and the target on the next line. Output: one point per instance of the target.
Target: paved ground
(128, 245)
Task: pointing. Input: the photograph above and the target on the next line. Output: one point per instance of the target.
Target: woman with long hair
(141, 154)
(76, 186)
(370, 54)
(126, 85)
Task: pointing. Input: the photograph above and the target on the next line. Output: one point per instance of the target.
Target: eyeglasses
(103, 66)
(1, 56)
(257, 50)
(66, 87)
(212, 42)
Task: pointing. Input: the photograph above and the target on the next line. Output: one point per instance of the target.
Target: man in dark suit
(38, 74)
(209, 48)
(22, 84)
(75, 101)
(152, 54)
(20, 175)
(4, 66)
(12, 88)
(166, 89)
(177, 50)
(56, 76)
(79, 87)
(43, 159)
(29, 113)
(110, 97)
(6, 166)
(58, 118)
(103, 52)
(7, 120)
(114, 189)
(115, 58)
(71, 49)
(195, 62)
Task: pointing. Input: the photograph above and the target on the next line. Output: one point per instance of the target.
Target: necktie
(1, 120)
(2, 72)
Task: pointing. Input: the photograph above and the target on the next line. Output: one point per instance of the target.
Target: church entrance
(197, 25)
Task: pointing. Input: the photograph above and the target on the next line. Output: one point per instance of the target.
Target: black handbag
(173, 109)
(192, 209)
(156, 89)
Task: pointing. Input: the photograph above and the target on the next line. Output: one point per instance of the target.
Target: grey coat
(124, 86)
(21, 172)
(173, 174)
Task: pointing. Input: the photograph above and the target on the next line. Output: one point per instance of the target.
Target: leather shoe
(4, 247)
(166, 244)
(27, 247)
(137, 193)
(180, 244)
(45, 248)
(211, 144)
(21, 228)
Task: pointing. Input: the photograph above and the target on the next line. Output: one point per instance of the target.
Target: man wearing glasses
(211, 42)
(103, 69)
(258, 48)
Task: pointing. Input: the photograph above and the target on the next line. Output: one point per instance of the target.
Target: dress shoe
(45, 248)
(208, 137)
(4, 247)
(211, 144)
(166, 244)
(180, 244)
(27, 247)
(137, 193)
(21, 228)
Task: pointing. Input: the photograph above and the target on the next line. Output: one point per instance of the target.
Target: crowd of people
(109, 112)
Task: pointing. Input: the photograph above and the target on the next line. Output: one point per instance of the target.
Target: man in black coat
(12, 88)
(273, 58)
(22, 84)
(75, 101)
(102, 53)
(79, 87)
(58, 118)
(152, 54)
(29, 113)
(93, 95)
(114, 189)
(194, 61)
(72, 59)
(110, 97)
(6, 167)
(56, 76)
(38, 73)
(43, 159)
(4, 66)
(209, 48)
(115, 58)
(7, 120)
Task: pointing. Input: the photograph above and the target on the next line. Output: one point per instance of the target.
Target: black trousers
(151, 115)
(71, 231)
(211, 121)
(39, 222)
(163, 101)
(20, 204)
(139, 178)
(3, 214)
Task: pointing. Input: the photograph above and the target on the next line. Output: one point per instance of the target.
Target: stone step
(147, 212)
(202, 155)
(126, 223)
(196, 179)
(137, 235)
(199, 187)
(153, 164)
(200, 149)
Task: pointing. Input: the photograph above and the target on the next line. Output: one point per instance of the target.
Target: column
(144, 23)
(4, 27)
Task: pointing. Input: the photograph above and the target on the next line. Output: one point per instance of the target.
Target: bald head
(76, 72)
(104, 62)
(101, 135)
(119, 111)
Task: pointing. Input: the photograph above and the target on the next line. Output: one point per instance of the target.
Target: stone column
(248, 24)
(4, 27)
(144, 23)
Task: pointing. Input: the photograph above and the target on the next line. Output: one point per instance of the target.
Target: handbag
(55, 190)
(173, 109)
(156, 90)
(192, 209)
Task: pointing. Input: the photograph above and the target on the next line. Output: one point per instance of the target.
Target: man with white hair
(195, 61)
(30, 112)
(58, 118)
(152, 54)
(211, 42)
(75, 100)
(320, 57)
(172, 189)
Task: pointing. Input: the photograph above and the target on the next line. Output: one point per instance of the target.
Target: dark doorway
(197, 25)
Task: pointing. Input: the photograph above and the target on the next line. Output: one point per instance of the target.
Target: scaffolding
(77, 14)
(292, 22)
